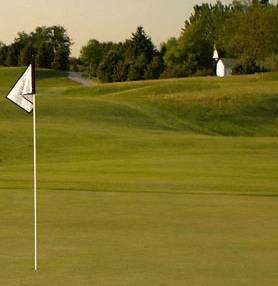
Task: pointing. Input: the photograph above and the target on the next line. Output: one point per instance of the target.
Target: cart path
(77, 77)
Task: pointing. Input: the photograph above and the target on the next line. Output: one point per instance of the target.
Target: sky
(104, 20)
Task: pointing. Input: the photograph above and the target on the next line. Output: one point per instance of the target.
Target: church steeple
(215, 54)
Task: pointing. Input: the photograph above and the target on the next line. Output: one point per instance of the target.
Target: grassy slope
(157, 183)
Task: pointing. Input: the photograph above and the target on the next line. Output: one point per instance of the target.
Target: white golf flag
(22, 93)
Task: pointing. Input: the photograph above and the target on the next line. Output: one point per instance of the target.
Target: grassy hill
(158, 182)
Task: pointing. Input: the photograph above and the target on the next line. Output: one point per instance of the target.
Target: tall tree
(45, 55)
(3, 53)
(113, 66)
(92, 55)
(12, 55)
(61, 59)
(49, 44)
(139, 54)
(191, 53)
(251, 35)
(26, 54)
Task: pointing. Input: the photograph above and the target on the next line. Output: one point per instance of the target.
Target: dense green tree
(271, 62)
(47, 43)
(155, 68)
(3, 53)
(173, 53)
(53, 47)
(192, 51)
(138, 68)
(140, 44)
(113, 67)
(60, 39)
(106, 68)
(139, 54)
(45, 55)
(61, 59)
(76, 64)
(243, 29)
(26, 54)
(120, 72)
(91, 54)
(251, 35)
(131, 60)
(12, 55)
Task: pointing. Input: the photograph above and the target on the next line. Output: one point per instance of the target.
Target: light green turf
(169, 182)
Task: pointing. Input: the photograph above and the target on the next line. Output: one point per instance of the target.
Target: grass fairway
(170, 182)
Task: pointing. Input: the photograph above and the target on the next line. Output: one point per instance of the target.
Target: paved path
(77, 76)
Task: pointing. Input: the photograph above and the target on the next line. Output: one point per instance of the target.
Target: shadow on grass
(48, 73)
(172, 193)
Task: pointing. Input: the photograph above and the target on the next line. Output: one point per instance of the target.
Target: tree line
(49, 45)
(135, 59)
(245, 30)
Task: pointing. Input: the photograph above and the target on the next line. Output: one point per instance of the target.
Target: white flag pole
(35, 185)
(20, 94)
(35, 169)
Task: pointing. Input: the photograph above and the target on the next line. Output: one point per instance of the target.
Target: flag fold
(22, 93)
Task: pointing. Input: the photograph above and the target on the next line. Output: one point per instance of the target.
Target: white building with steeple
(224, 66)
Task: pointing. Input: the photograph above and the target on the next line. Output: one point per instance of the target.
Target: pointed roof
(218, 53)
(215, 54)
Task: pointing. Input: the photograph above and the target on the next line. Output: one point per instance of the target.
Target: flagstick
(35, 184)
(35, 163)
(20, 95)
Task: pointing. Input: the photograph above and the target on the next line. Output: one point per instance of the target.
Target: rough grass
(169, 182)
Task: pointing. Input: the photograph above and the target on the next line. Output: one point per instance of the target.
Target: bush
(205, 72)
(271, 63)
(174, 71)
